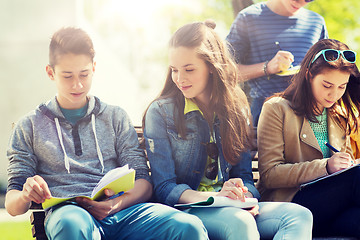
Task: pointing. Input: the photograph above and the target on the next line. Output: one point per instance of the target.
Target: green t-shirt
(320, 130)
(74, 115)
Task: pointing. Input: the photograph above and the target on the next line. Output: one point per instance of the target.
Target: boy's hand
(35, 189)
(280, 62)
(99, 209)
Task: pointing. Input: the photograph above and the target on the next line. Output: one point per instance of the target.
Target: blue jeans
(141, 221)
(275, 221)
(256, 106)
(335, 204)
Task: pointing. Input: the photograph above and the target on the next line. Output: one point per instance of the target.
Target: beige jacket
(355, 142)
(289, 153)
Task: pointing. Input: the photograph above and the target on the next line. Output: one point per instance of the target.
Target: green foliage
(199, 10)
(341, 19)
(15, 230)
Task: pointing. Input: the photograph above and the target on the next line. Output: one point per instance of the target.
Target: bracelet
(265, 70)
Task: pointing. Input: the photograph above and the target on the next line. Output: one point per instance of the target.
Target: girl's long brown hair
(299, 93)
(227, 99)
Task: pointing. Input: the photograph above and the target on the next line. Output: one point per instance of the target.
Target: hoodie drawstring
(97, 143)
(66, 158)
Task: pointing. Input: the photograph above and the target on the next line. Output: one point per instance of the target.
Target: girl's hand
(339, 161)
(234, 188)
(356, 161)
(254, 211)
(35, 189)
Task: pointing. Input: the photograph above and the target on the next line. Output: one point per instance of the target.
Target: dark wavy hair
(227, 99)
(299, 93)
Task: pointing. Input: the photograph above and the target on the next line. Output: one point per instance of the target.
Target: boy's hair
(227, 99)
(299, 93)
(70, 40)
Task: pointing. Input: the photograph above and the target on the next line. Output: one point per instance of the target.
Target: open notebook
(328, 176)
(219, 201)
(119, 179)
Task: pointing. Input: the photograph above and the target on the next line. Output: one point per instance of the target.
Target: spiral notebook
(328, 176)
(221, 202)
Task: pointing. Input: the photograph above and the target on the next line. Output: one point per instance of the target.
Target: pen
(279, 49)
(331, 147)
(278, 45)
(116, 195)
(335, 150)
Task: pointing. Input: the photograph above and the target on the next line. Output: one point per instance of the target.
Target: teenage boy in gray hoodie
(65, 146)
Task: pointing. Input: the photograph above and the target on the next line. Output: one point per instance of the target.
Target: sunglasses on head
(308, 1)
(212, 169)
(331, 55)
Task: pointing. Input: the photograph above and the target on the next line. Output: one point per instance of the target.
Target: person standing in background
(270, 37)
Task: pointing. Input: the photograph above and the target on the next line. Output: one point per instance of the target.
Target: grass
(15, 230)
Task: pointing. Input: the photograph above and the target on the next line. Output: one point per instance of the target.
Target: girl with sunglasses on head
(197, 133)
(294, 130)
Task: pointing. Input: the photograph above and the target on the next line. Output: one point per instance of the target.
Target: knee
(301, 214)
(242, 224)
(189, 226)
(70, 221)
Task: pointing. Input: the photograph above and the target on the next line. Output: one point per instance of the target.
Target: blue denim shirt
(177, 163)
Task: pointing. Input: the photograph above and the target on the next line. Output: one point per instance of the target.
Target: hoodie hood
(52, 110)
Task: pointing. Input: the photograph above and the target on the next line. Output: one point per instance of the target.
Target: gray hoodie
(73, 158)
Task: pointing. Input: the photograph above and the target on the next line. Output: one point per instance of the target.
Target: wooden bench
(37, 216)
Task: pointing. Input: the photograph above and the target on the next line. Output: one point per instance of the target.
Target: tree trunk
(239, 5)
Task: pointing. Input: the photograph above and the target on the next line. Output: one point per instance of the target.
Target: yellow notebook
(120, 179)
(290, 71)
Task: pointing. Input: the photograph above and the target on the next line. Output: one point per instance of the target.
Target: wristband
(265, 69)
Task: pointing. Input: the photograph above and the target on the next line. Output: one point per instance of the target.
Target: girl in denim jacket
(197, 134)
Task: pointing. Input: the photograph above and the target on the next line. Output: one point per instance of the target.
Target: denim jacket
(177, 163)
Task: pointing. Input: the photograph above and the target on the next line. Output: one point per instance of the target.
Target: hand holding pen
(338, 161)
(281, 61)
(279, 49)
(234, 188)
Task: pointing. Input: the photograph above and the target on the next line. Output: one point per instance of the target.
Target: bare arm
(233, 188)
(15, 204)
(280, 62)
(35, 189)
